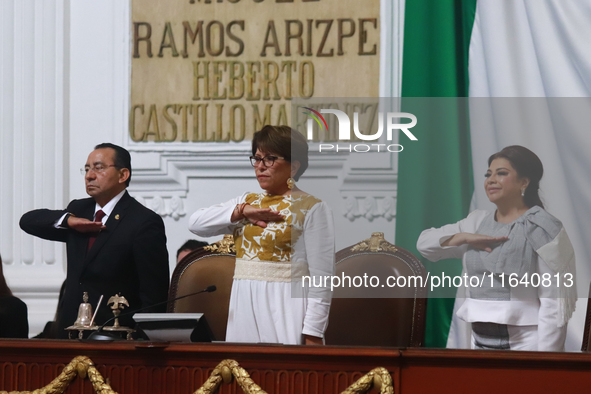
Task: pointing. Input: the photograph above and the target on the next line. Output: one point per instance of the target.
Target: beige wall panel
(190, 92)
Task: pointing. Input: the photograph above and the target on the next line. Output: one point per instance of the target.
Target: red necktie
(98, 217)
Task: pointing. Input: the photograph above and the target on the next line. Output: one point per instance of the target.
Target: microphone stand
(100, 335)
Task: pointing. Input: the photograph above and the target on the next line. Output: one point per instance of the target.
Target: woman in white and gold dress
(281, 235)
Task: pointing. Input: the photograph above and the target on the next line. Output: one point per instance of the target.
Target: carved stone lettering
(205, 71)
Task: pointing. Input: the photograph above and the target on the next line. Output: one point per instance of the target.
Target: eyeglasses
(97, 168)
(268, 161)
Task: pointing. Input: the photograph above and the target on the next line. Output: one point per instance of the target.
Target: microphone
(100, 335)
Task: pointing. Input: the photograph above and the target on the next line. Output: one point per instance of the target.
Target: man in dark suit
(114, 244)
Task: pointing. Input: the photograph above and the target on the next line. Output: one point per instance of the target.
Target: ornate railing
(224, 373)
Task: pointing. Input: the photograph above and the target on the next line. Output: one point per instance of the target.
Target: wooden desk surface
(135, 367)
(483, 372)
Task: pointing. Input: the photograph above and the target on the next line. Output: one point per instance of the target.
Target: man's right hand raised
(84, 225)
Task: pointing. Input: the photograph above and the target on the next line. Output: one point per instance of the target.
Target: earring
(522, 192)
(290, 183)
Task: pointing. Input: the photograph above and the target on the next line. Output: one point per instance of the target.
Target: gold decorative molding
(378, 378)
(225, 372)
(226, 245)
(80, 366)
(376, 243)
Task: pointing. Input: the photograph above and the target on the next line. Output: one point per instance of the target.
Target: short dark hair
(122, 157)
(191, 244)
(528, 165)
(283, 141)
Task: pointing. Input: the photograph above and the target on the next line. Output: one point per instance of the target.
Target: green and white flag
(520, 52)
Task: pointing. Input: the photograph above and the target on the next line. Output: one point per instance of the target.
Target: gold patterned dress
(270, 302)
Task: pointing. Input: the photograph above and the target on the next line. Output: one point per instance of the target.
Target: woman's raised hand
(261, 216)
(479, 241)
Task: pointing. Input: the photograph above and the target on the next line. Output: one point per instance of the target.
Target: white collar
(108, 208)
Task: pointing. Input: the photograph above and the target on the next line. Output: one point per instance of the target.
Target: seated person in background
(279, 233)
(13, 312)
(519, 240)
(188, 247)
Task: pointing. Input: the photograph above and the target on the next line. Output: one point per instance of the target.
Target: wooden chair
(210, 265)
(377, 316)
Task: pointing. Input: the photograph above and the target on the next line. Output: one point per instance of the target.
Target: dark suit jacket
(129, 257)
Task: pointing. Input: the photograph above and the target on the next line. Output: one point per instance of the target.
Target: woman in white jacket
(521, 255)
(281, 235)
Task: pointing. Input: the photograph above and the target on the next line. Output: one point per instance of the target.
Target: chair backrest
(587, 331)
(210, 265)
(380, 315)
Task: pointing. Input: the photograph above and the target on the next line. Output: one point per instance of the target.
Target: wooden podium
(142, 367)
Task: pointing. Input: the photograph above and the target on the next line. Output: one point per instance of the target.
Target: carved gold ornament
(376, 243)
(225, 372)
(225, 246)
(80, 366)
(378, 378)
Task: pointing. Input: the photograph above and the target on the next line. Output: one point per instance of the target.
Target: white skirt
(265, 312)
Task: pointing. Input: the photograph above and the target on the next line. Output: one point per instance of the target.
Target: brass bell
(84, 313)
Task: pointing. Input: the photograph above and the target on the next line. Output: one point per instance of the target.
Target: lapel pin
(117, 217)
